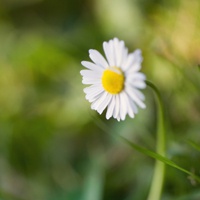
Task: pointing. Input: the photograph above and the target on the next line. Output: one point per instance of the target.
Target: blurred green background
(51, 144)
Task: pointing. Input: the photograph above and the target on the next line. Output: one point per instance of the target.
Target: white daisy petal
(130, 110)
(90, 73)
(116, 110)
(138, 56)
(98, 102)
(97, 58)
(118, 46)
(92, 88)
(123, 106)
(138, 84)
(89, 81)
(104, 104)
(92, 66)
(135, 76)
(117, 52)
(133, 106)
(115, 82)
(133, 62)
(124, 57)
(94, 97)
(134, 67)
(128, 62)
(108, 49)
(93, 92)
(139, 94)
(112, 50)
(135, 98)
(111, 107)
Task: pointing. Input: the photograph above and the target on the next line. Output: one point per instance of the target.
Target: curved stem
(159, 171)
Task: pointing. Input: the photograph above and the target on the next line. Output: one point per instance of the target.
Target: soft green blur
(52, 146)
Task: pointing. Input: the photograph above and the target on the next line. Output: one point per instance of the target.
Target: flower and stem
(115, 84)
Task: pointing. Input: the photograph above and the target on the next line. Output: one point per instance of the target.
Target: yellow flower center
(113, 80)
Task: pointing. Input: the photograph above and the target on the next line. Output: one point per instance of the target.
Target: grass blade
(158, 157)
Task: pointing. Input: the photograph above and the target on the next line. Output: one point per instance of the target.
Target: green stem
(159, 171)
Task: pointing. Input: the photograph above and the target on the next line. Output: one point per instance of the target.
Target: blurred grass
(50, 145)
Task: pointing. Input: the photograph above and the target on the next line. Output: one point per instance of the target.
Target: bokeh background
(52, 146)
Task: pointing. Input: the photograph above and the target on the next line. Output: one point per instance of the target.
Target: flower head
(115, 82)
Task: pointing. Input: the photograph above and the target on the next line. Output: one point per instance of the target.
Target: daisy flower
(115, 82)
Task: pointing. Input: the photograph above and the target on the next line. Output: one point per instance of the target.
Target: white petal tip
(143, 106)
(91, 51)
(132, 116)
(81, 72)
(107, 117)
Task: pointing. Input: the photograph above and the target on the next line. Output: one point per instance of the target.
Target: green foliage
(51, 144)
